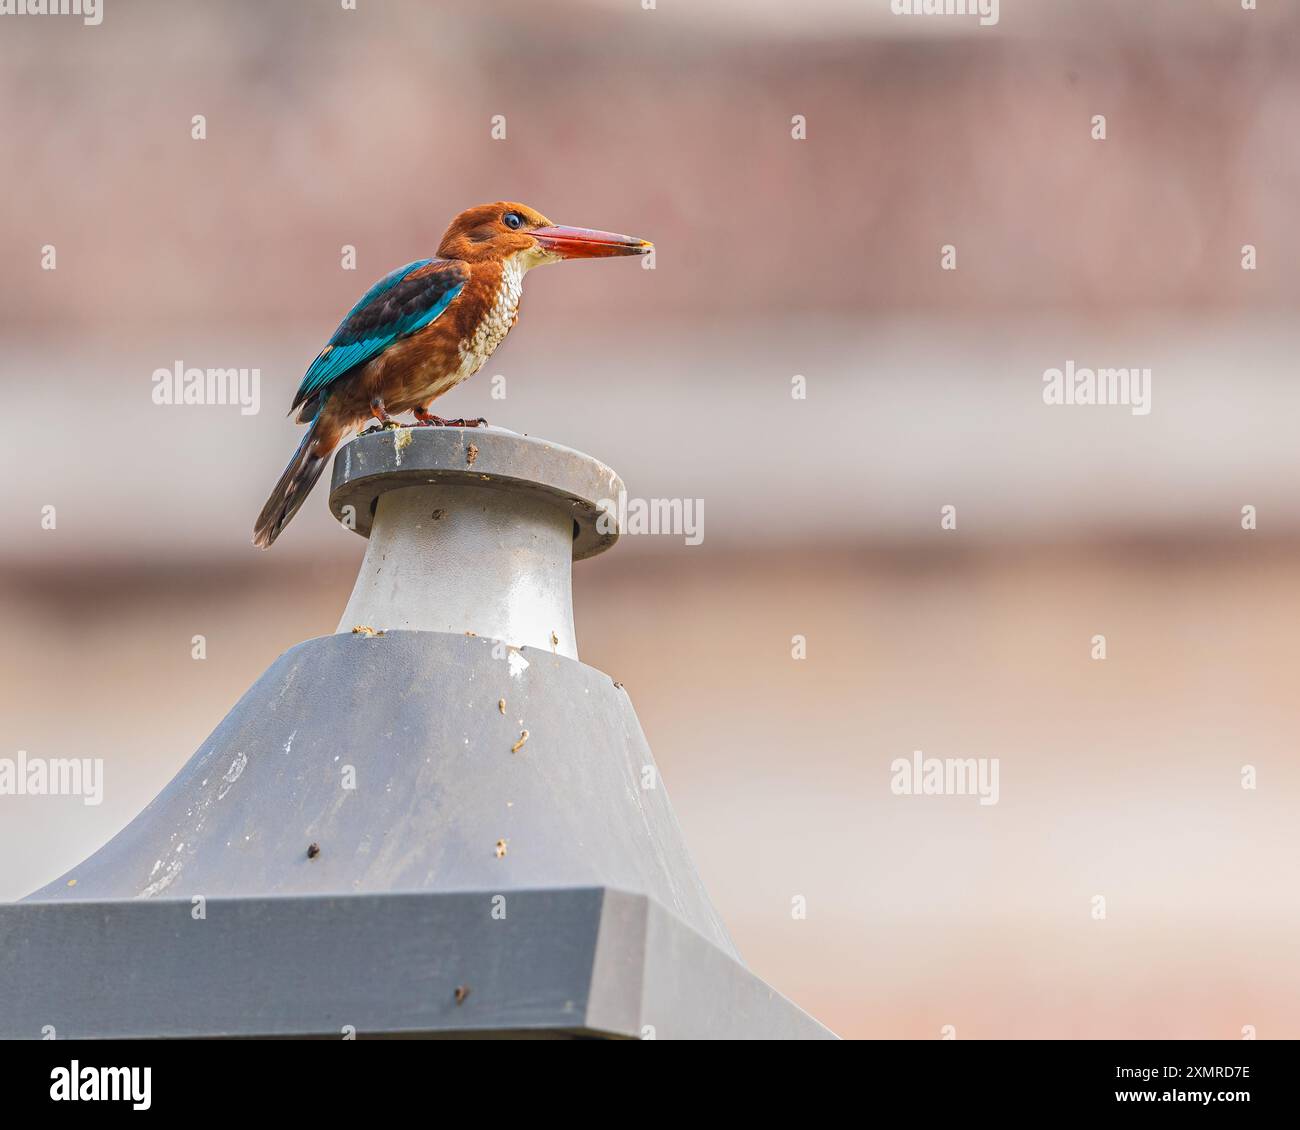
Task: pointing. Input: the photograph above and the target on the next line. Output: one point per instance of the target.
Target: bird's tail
(293, 488)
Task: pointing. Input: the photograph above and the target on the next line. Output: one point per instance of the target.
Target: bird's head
(504, 229)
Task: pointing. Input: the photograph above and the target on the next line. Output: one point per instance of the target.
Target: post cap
(494, 458)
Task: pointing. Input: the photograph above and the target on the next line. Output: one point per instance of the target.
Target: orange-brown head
(504, 229)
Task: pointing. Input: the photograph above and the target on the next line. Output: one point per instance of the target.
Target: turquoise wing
(400, 303)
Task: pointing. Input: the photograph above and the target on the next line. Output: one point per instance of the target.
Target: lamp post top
(461, 822)
(493, 458)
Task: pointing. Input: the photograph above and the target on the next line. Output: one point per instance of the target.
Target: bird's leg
(380, 413)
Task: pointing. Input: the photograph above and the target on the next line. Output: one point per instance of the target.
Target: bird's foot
(380, 413)
(429, 420)
(386, 426)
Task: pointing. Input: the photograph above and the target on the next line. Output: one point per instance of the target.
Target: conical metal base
(395, 757)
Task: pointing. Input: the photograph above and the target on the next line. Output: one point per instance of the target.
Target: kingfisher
(420, 331)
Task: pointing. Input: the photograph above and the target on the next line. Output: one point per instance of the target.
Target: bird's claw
(386, 426)
(432, 421)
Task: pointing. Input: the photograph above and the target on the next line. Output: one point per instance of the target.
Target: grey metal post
(439, 823)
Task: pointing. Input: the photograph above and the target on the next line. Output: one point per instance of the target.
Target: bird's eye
(513, 220)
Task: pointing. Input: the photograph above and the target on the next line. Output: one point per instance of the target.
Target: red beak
(583, 243)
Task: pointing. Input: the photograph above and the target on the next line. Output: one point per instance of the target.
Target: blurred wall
(775, 257)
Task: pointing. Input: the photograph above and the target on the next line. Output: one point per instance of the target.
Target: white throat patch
(496, 323)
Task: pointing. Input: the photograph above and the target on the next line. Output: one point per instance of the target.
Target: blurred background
(776, 257)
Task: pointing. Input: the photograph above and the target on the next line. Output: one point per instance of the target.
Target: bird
(420, 331)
